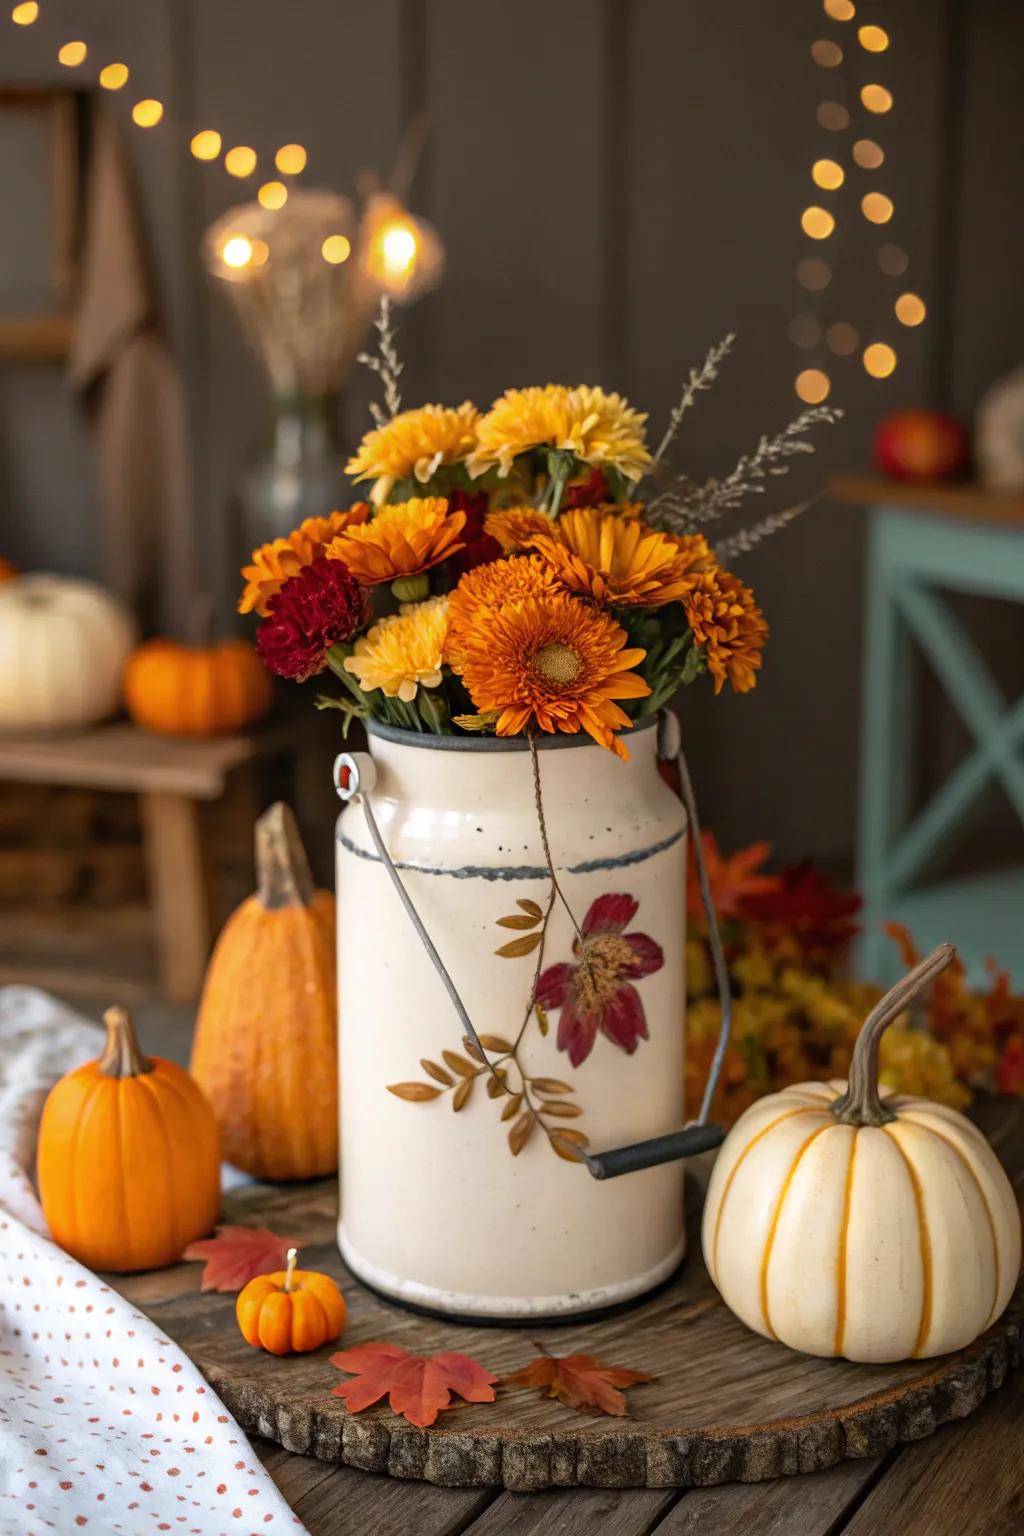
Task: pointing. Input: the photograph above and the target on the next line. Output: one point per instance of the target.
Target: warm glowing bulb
(813, 386)
(147, 113)
(272, 194)
(874, 39)
(876, 98)
(205, 145)
(879, 360)
(817, 222)
(828, 174)
(72, 54)
(290, 159)
(113, 76)
(237, 251)
(336, 249)
(260, 253)
(240, 161)
(876, 207)
(868, 155)
(833, 116)
(826, 53)
(398, 247)
(813, 274)
(25, 15)
(840, 10)
(910, 310)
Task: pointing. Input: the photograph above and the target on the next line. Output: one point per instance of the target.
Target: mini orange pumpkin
(265, 1049)
(196, 690)
(129, 1158)
(291, 1311)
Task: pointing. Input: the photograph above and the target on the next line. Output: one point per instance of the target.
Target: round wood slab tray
(727, 1406)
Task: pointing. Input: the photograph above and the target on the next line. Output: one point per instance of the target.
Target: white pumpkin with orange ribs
(844, 1221)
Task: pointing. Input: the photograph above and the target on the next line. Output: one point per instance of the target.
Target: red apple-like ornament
(920, 445)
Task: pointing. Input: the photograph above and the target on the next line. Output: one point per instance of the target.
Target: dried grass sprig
(385, 363)
(700, 378)
(727, 551)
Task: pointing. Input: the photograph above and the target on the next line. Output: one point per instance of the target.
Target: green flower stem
(434, 710)
(411, 589)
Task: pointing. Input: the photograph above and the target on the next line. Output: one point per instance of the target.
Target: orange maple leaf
(418, 1387)
(578, 1381)
(731, 879)
(236, 1254)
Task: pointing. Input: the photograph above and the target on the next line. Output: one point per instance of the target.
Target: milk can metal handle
(355, 777)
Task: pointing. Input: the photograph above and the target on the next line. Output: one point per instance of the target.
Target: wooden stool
(925, 541)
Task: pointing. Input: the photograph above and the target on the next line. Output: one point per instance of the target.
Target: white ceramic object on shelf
(436, 1210)
(63, 648)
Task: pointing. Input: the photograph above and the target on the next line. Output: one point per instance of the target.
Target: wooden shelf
(967, 502)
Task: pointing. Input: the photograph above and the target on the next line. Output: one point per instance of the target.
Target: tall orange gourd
(129, 1158)
(265, 1048)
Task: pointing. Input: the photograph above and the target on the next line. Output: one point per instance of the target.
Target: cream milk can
(461, 1186)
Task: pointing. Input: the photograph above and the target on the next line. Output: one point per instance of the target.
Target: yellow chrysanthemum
(492, 587)
(615, 560)
(514, 527)
(553, 664)
(272, 564)
(726, 620)
(403, 652)
(414, 443)
(403, 539)
(600, 429)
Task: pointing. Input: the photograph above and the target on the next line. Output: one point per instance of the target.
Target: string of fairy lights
(818, 220)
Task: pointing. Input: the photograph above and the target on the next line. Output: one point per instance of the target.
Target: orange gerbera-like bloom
(726, 620)
(695, 550)
(615, 559)
(402, 540)
(273, 564)
(492, 587)
(552, 664)
(514, 527)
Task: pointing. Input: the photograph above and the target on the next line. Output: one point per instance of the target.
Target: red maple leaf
(416, 1386)
(236, 1254)
(733, 880)
(578, 1381)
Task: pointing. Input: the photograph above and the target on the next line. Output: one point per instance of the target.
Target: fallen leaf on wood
(417, 1386)
(236, 1254)
(578, 1381)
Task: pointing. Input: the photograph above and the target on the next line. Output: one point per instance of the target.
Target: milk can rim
(545, 743)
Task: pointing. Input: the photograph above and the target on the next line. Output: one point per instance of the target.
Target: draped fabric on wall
(619, 183)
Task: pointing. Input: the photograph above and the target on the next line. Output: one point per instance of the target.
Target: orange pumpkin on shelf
(8, 570)
(196, 690)
(291, 1311)
(129, 1158)
(265, 1049)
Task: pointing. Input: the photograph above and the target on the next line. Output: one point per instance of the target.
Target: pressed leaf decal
(496, 1043)
(518, 947)
(459, 1063)
(496, 1084)
(549, 1085)
(439, 1074)
(542, 1018)
(235, 1254)
(520, 1133)
(416, 1093)
(462, 1093)
(579, 1381)
(561, 1110)
(569, 1152)
(533, 907)
(418, 1387)
(512, 1107)
(518, 920)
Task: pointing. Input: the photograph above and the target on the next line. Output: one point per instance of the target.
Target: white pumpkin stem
(293, 1254)
(282, 869)
(122, 1055)
(862, 1104)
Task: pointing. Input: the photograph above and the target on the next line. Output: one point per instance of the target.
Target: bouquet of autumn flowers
(510, 573)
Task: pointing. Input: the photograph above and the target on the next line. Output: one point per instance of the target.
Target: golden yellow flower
(272, 564)
(613, 559)
(403, 652)
(599, 428)
(414, 443)
(514, 527)
(492, 587)
(695, 550)
(726, 620)
(552, 663)
(402, 539)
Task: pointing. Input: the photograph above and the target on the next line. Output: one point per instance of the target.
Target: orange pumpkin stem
(293, 1254)
(862, 1104)
(282, 869)
(122, 1055)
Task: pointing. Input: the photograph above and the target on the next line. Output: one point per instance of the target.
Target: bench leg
(177, 886)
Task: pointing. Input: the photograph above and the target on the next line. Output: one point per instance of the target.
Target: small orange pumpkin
(129, 1158)
(291, 1311)
(265, 1049)
(196, 690)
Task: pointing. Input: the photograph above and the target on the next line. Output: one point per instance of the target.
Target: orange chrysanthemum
(272, 564)
(553, 664)
(615, 560)
(402, 540)
(695, 550)
(514, 527)
(726, 620)
(493, 586)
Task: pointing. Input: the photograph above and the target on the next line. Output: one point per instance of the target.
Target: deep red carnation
(478, 547)
(320, 606)
(592, 492)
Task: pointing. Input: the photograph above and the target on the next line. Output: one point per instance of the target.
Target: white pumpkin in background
(63, 648)
(842, 1221)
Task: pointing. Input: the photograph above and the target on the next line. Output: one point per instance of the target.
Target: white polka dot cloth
(105, 1426)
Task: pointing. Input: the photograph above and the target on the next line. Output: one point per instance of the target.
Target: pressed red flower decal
(596, 992)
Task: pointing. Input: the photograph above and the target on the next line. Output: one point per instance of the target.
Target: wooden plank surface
(971, 503)
(123, 757)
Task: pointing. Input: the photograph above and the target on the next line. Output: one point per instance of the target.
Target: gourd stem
(862, 1104)
(282, 869)
(122, 1056)
(293, 1254)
